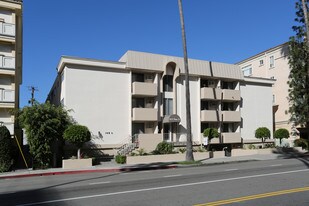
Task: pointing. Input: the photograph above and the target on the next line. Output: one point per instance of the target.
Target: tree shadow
(288, 153)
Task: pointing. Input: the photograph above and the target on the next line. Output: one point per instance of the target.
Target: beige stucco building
(141, 99)
(273, 63)
(10, 60)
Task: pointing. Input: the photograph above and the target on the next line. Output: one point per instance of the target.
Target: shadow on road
(293, 153)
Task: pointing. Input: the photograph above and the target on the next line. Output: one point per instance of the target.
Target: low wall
(149, 142)
(76, 163)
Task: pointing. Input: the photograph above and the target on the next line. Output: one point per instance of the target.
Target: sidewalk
(114, 167)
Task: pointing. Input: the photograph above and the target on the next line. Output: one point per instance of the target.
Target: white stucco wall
(195, 106)
(256, 108)
(100, 99)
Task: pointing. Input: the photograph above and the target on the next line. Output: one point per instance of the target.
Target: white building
(143, 95)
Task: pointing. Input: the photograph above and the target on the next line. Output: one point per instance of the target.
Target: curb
(124, 169)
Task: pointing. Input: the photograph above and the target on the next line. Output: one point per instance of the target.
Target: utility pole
(32, 89)
(189, 153)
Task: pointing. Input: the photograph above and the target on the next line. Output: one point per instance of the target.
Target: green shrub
(182, 150)
(6, 159)
(303, 143)
(281, 134)
(262, 133)
(77, 135)
(121, 159)
(164, 148)
(251, 146)
(211, 133)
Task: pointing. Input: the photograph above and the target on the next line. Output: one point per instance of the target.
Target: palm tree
(189, 153)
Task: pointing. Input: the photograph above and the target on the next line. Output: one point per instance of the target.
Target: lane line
(172, 176)
(163, 187)
(276, 165)
(230, 170)
(98, 183)
(253, 197)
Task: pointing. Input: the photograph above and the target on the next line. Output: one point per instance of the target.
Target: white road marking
(276, 165)
(160, 188)
(173, 175)
(230, 170)
(98, 183)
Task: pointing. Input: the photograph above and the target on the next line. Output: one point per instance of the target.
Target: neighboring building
(273, 64)
(10, 61)
(143, 96)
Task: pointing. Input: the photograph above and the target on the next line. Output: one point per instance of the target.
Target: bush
(211, 133)
(121, 159)
(164, 148)
(262, 133)
(303, 143)
(6, 159)
(281, 134)
(77, 135)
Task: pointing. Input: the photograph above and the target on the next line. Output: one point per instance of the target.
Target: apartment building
(10, 60)
(273, 64)
(141, 99)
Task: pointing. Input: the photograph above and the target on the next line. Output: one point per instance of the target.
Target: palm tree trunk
(189, 153)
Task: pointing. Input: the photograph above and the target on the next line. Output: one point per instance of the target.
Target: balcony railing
(7, 29)
(210, 93)
(231, 95)
(144, 89)
(210, 116)
(231, 116)
(7, 95)
(7, 62)
(144, 114)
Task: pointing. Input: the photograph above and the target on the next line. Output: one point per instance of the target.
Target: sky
(221, 31)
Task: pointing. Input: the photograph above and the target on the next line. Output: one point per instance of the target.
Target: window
(261, 62)
(227, 85)
(247, 71)
(168, 83)
(168, 106)
(149, 78)
(271, 61)
(228, 106)
(204, 105)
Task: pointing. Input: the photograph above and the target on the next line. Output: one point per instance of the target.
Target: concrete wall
(149, 142)
(100, 99)
(256, 108)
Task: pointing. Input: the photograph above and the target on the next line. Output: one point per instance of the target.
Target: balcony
(7, 29)
(210, 93)
(7, 62)
(231, 116)
(144, 114)
(210, 116)
(7, 95)
(144, 89)
(231, 137)
(231, 95)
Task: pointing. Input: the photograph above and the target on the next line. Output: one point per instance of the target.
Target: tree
(5, 149)
(77, 135)
(189, 153)
(262, 133)
(299, 69)
(210, 133)
(44, 125)
(281, 134)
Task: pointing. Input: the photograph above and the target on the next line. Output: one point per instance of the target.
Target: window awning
(171, 118)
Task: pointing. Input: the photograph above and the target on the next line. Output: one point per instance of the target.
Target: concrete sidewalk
(114, 167)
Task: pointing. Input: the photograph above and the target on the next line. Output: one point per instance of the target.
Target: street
(270, 182)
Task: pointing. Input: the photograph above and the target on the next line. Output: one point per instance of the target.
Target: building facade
(273, 63)
(142, 97)
(10, 61)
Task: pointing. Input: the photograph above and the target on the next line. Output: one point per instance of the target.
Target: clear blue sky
(223, 31)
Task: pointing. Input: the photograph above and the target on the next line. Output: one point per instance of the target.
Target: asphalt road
(272, 182)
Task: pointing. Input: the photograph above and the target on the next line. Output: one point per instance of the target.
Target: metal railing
(128, 145)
